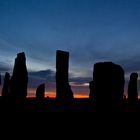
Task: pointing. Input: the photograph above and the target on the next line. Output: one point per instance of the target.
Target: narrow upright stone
(132, 87)
(63, 89)
(5, 89)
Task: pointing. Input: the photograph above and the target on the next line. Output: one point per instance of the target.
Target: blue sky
(91, 30)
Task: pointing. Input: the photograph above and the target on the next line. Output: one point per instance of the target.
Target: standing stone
(132, 87)
(63, 89)
(40, 92)
(108, 82)
(19, 80)
(5, 89)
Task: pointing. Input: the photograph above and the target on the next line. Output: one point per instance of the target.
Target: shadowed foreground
(52, 105)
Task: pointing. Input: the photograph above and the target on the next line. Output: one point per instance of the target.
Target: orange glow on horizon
(80, 95)
(31, 93)
(52, 94)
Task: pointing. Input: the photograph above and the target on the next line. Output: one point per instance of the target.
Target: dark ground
(81, 117)
(52, 105)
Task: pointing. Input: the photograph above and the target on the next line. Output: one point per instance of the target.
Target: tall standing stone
(5, 89)
(19, 79)
(132, 87)
(63, 89)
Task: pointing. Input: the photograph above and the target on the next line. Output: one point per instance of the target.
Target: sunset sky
(91, 30)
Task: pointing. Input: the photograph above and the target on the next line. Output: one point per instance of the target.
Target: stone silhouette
(19, 79)
(63, 89)
(132, 87)
(91, 87)
(40, 92)
(108, 82)
(107, 86)
(5, 89)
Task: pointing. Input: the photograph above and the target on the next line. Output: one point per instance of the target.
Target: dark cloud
(4, 67)
(49, 75)
(80, 80)
(131, 64)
